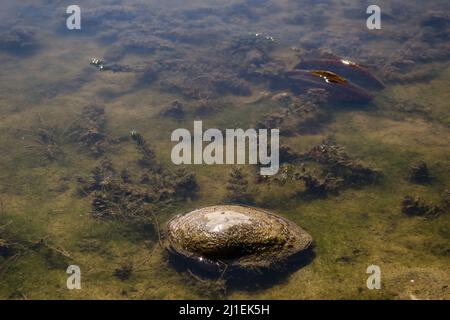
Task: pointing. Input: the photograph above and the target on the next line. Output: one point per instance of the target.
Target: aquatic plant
(5, 248)
(113, 198)
(185, 184)
(174, 110)
(251, 41)
(237, 187)
(319, 186)
(15, 246)
(286, 154)
(339, 163)
(338, 171)
(89, 130)
(148, 74)
(415, 206)
(298, 114)
(420, 173)
(446, 199)
(148, 155)
(19, 40)
(314, 184)
(115, 195)
(124, 271)
(224, 83)
(205, 106)
(125, 176)
(45, 140)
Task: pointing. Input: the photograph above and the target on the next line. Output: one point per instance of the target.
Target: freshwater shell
(235, 236)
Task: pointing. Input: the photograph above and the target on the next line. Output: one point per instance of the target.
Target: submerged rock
(235, 237)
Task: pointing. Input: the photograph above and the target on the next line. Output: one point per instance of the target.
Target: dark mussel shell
(345, 68)
(236, 238)
(338, 88)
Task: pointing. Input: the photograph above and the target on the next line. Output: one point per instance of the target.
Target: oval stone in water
(238, 236)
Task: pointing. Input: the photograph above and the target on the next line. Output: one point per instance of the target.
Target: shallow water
(186, 51)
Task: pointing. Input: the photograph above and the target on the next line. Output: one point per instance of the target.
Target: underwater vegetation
(123, 195)
(86, 130)
(44, 140)
(420, 173)
(338, 170)
(416, 206)
(237, 187)
(18, 40)
(87, 179)
(304, 113)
